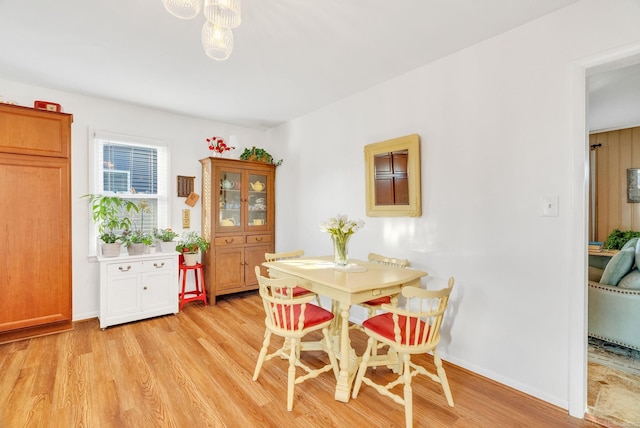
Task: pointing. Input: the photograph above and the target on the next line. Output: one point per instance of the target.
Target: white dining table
(359, 282)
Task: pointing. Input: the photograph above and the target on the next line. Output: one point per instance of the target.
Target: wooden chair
(298, 290)
(414, 330)
(292, 317)
(374, 305)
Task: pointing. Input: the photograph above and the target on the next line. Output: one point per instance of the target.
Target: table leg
(343, 387)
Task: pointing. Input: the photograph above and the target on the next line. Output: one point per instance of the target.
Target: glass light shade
(183, 9)
(223, 12)
(217, 41)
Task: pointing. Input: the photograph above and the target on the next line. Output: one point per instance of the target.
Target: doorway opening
(612, 380)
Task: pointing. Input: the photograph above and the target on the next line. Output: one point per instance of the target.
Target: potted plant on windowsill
(165, 237)
(136, 241)
(189, 245)
(111, 215)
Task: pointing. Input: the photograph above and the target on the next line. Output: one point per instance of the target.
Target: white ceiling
(614, 96)
(290, 57)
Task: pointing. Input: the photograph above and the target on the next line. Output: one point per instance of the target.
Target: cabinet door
(35, 274)
(228, 213)
(157, 290)
(259, 214)
(123, 296)
(254, 256)
(229, 268)
(32, 132)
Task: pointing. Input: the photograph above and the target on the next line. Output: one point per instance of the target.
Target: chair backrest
(285, 314)
(272, 257)
(418, 324)
(389, 261)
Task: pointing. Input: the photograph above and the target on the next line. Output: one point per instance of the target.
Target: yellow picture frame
(410, 144)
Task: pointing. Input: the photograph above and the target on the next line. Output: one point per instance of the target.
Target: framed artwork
(393, 177)
(185, 186)
(633, 185)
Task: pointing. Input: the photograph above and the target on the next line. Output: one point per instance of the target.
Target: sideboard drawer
(229, 240)
(138, 266)
(124, 267)
(258, 239)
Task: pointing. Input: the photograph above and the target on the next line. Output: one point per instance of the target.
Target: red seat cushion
(313, 315)
(379, 301)
(300, 291)
(383, 325)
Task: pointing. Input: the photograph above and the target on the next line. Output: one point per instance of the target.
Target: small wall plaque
(185, 186)
(192, 199)
(186, 219)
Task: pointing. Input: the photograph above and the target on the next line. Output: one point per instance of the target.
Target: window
(135, 169)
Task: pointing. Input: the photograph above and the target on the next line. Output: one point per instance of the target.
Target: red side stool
(199, 293)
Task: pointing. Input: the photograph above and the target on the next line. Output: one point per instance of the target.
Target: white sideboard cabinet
(137, 287)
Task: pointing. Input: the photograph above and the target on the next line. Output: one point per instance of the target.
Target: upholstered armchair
(614, 298)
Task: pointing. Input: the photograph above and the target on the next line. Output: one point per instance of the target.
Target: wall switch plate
(550, 206)
(186, 219)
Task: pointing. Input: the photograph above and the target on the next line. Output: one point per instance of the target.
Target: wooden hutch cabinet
(238, 218)
(35, 222)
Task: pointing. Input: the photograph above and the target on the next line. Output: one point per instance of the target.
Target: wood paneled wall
(618, 151)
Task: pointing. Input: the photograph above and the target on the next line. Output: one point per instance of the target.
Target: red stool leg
(201, 290)
(183, 273)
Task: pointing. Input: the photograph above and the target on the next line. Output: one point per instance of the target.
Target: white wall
(496, 122)
(187, 145)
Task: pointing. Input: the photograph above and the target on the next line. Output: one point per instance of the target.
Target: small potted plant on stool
(189, 245)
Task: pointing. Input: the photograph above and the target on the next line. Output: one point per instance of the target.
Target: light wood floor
(194, 370)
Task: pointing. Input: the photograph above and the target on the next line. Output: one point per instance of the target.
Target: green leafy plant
(136, 237)
(617, 239)
(164, 235)
(259, 155)
(191, 242)
(111, 214)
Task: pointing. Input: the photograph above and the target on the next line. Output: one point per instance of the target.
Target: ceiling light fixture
(221, 15)
(217, 41)
(183, 9)
(223, 12)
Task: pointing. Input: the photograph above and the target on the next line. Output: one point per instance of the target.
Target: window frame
(96, 176)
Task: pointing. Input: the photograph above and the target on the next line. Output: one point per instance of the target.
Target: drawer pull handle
(158, 265)
(124, 270)
(144, 288)
(259, 238)
(228, 241)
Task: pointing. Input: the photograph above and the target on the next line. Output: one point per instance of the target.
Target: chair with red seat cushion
(292, 317)
(412, 330)
(375, 304)
(298, 290)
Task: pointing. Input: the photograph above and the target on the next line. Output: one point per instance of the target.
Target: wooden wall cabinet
(35, 222)
(238, 218)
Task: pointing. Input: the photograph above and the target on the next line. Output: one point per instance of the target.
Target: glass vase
(340, 250)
